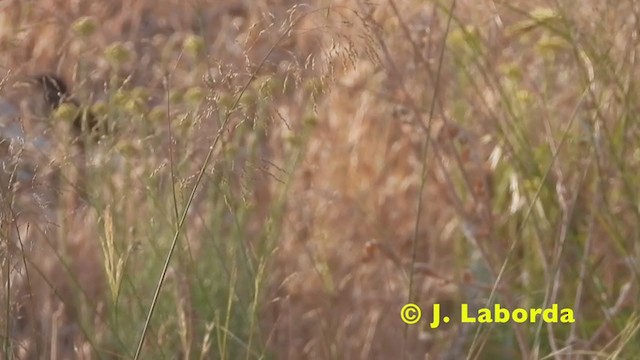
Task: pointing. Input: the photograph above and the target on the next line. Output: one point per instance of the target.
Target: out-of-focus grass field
(285, 176)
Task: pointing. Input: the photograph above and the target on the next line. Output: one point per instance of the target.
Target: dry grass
(284, 177)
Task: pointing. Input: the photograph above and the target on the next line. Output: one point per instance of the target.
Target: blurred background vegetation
(281, 177)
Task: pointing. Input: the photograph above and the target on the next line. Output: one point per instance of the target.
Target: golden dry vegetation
(281, 177)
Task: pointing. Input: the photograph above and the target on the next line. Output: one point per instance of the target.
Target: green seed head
(117, 53)
(84, 26)
(158, 114)
(226, 101)
(66, 112)
(194, 45)
(99, 108)
(176, 97)
(194, 95)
